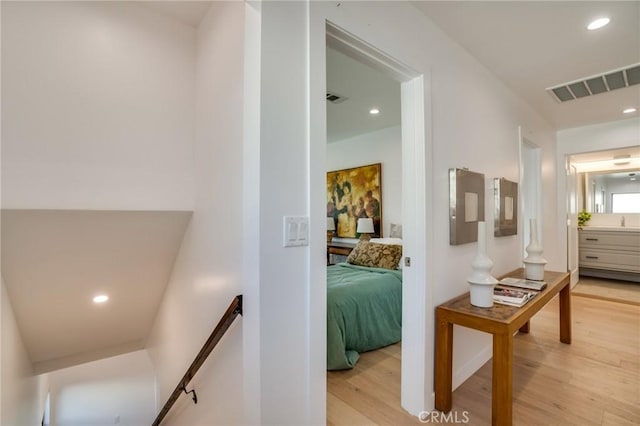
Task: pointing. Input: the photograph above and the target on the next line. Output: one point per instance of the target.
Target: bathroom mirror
(611, 192)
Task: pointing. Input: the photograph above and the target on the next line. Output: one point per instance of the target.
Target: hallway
(598, 373)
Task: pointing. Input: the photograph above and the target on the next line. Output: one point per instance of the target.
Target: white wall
(251, 317)
(475, 124)
(97, 393)
(110, 86)
(207, 273)
(631, 220)
(279, 134)
(23, 394)
(382, 146)
(599, 137)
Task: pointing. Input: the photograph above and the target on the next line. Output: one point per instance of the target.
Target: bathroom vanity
(610, 252)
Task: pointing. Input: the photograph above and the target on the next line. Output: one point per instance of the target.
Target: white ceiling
(531, 46)
(55, 261)
(189, 12)
(365, 88)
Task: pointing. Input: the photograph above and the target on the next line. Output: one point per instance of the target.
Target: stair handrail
(234, 309)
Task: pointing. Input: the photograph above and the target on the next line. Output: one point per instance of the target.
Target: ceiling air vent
(593, 85)
(335, 98)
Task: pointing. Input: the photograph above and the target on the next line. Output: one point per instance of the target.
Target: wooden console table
(502, 321)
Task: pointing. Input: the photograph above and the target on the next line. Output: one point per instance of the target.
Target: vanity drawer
(615, 240)
(610, 259)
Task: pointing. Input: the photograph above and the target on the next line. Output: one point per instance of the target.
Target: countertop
(611, 228)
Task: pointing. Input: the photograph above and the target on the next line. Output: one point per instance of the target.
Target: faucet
(622, 221)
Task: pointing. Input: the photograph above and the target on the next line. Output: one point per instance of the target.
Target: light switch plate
(295, 231)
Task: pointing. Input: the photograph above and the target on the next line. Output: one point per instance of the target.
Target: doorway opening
(531, 178)
(406, 209)
(594, 181)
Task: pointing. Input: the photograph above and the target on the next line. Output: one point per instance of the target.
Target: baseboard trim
(469, 369)
(610, 274)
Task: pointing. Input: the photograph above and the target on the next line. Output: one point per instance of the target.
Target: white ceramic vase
(481, 281)
(534, 262)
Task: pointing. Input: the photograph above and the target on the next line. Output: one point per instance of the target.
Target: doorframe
(572, 221)
(417, 303)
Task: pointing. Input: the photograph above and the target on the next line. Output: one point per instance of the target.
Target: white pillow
(391, 241)
(388, 240)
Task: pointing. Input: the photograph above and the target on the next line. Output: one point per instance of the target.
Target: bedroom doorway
(401, 149)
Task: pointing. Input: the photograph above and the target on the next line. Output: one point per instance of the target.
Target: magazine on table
(523, 283)
(512, 296)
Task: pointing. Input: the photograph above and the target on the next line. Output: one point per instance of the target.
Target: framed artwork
(352, 194)
(466, 205)
(506, 207)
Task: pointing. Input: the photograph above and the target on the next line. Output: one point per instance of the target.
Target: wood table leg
(443, 365)
(525, 327)
(565, 314)
(501, 398)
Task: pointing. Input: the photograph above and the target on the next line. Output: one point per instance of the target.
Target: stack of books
(524, 283)
(512, 296)
(516, 291)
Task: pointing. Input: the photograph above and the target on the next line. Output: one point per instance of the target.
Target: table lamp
(365, 228)
(331, 226)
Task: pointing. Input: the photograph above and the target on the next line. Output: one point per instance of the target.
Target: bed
(364, 311)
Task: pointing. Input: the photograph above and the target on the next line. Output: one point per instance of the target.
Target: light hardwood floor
(593, 381)
(613, 290)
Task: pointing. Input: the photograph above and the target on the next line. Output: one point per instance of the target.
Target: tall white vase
(534, 262)
(481, 281)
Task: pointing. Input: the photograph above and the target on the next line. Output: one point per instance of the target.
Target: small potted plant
(583, 217)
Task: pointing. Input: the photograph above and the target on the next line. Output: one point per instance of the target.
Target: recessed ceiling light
(374, 111)
(101, 298)
(629, 110)
(598, 23)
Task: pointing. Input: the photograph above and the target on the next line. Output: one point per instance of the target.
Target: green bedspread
(364, 312)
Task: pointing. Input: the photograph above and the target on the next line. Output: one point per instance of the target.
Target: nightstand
(339, 248)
